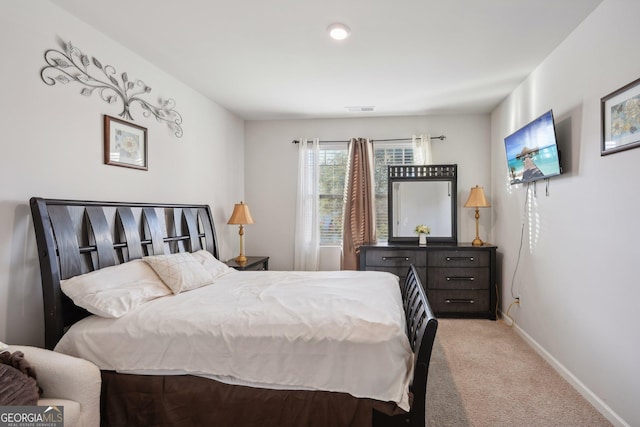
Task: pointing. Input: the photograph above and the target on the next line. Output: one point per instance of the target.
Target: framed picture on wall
(620, 111)
(125, 144)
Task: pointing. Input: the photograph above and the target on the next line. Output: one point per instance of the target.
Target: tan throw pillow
(180, 271)
(211, 264)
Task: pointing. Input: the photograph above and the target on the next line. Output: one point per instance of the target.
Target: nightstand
(253, 263)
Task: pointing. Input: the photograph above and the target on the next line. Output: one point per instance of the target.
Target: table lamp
(241, 216)
(477, 200)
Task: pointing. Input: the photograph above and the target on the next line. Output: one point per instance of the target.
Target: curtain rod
(441, 138)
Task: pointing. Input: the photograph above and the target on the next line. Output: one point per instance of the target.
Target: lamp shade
(240, 215)
(477, 198)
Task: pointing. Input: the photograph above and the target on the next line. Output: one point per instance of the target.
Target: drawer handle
(388, 258)
(459, 258)
(466, 279)
(459, 301)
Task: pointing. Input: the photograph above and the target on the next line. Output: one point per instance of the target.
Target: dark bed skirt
(183, 400)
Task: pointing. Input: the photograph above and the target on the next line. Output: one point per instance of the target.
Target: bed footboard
(421, 330)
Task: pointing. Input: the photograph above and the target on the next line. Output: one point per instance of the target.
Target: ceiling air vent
(361, 109)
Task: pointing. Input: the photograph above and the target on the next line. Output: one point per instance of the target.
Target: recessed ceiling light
(338, 31)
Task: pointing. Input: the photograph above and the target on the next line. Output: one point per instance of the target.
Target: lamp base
(241, 259)
(477, 242)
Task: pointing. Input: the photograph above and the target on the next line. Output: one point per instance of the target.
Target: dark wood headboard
(76, 237)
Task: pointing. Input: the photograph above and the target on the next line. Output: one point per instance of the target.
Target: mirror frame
(426, 173)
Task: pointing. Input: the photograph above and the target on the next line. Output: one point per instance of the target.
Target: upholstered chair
(65, 381)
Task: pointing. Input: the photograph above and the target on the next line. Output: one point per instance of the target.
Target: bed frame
(76, 237)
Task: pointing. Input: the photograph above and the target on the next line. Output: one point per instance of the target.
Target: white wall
(271, 169)
(52, 146)
(578, 274)
(576, 279)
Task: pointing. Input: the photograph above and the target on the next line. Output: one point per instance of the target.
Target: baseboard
(595, 401)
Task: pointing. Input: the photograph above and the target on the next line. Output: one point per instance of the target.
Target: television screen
(532, 151)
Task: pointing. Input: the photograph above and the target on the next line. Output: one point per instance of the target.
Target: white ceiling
(273, 59)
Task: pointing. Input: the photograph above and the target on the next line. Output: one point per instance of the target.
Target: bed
(321, 348)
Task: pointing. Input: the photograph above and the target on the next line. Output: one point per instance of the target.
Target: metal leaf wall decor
(74, 66)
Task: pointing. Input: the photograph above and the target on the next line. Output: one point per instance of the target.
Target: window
(333, 169)
(385, 155)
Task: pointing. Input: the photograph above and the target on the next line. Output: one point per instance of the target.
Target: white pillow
(180, 271)
(212, 264)
(114, 291)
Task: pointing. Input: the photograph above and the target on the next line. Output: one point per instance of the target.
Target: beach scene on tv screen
(532, 152)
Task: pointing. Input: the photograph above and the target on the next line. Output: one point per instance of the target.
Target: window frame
(335, 238)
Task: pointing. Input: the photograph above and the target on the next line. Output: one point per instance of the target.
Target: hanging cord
(513, 322)
(547, 187)
(515, 270)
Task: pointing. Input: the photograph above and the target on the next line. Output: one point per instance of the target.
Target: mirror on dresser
(423, 194)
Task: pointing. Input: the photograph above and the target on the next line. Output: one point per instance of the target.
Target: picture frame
(125, 144)
(620, 113)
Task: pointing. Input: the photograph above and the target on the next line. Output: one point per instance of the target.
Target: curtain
(359, 209)
(422, 150)
(307, 228)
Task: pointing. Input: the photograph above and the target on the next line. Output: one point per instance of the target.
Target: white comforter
(338, 331)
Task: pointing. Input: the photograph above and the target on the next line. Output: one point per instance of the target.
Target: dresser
(460, 279)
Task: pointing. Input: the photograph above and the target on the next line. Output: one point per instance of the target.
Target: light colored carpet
(483, 373)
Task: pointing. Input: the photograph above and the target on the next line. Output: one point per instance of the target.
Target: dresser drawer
(458, 278)
(458, 258)
(394, 258)
(461, 301)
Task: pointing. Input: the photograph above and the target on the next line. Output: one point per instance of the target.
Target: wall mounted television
(532, 151)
